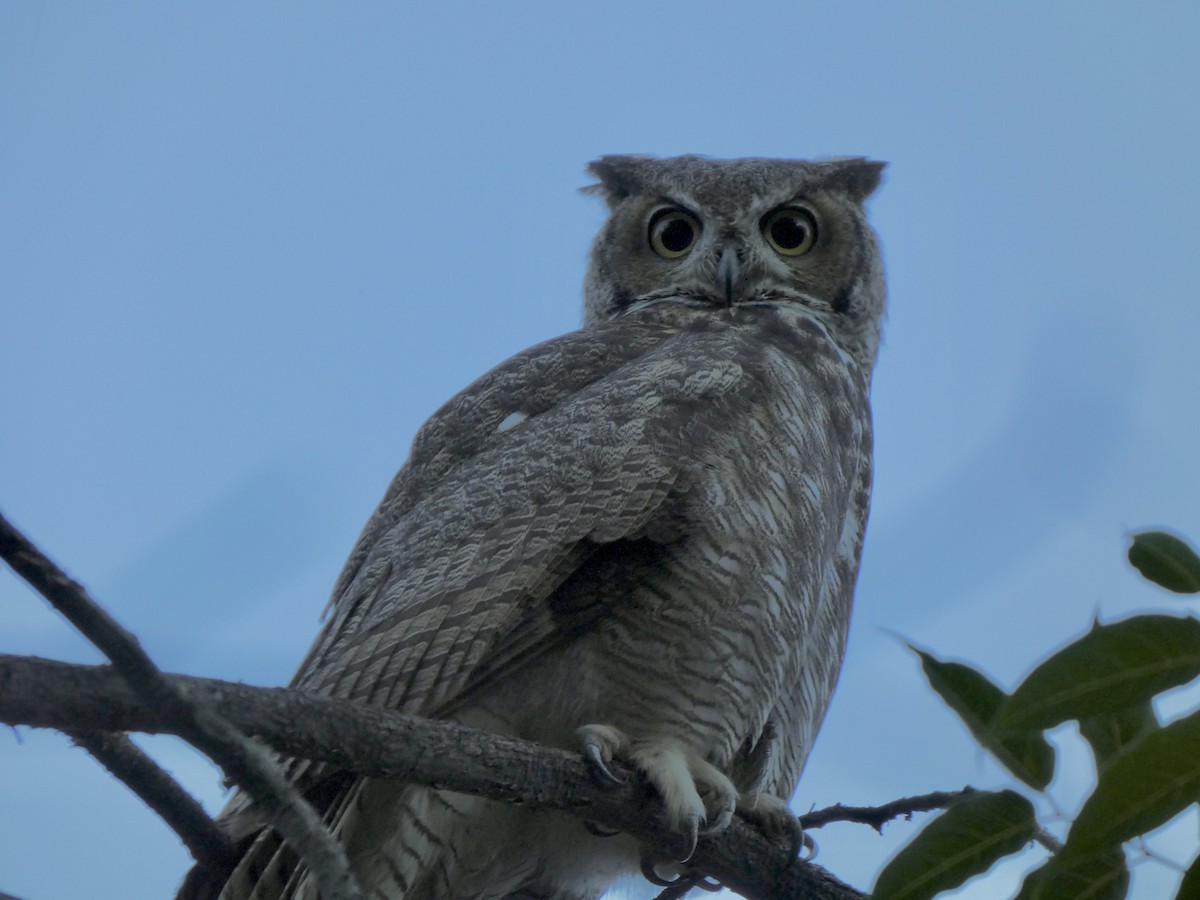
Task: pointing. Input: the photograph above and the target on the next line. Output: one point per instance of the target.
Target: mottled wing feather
(532, 382)
(473, 539)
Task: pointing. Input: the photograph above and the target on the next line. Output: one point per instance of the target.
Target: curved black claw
(653, 877)
(598, 830)
(596, 761)
(806, 847)
(673, 890)
(683, 843)
(692, 837)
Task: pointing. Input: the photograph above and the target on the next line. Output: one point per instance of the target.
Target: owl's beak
(728, 270)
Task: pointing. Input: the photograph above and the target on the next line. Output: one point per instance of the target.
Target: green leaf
(1140, 789)
(976, 700)
(1189, 887)
(1111, 733)
(1111, 668)
(1103, 876)
(959, 844)
(1166, 560)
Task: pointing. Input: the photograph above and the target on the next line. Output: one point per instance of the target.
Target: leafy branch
(1147, 773)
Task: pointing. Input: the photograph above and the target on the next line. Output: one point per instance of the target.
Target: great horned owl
(639, 539)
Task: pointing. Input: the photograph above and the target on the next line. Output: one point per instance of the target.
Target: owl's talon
(697, 797)
(596, 760)
(692, 837)
(728, 803)
(601, 743)
(652, 876)
(806, 848)
(774, 818)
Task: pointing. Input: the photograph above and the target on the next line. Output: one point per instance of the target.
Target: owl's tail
(404, 841)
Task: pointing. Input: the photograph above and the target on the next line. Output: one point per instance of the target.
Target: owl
(638, 540)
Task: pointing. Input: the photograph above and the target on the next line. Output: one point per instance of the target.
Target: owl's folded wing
(518, 482)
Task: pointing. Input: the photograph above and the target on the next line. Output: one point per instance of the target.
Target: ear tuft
(620, 177)
(857, 176)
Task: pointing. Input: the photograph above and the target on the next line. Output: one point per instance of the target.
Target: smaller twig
(179, 809)
(878, 816)
(70, 599)
(1049, 841)
(1145, 854)
(251, 767)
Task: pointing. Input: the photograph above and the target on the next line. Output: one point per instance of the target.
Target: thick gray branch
(372, 741)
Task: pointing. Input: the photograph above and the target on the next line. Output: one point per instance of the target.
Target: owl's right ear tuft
(856, 175)
(620, 177)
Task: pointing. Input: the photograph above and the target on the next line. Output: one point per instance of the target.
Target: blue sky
(247, 249)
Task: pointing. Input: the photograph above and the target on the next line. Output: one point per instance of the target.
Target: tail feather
(401, 840)
(408, 842)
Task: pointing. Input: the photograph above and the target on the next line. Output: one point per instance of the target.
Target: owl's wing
(488, 518)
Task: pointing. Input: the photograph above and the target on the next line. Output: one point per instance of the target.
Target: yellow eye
(673, 232)
(790, 230)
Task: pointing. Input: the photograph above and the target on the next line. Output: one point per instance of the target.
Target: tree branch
(179, 809)
(192, 720)
(378, 742)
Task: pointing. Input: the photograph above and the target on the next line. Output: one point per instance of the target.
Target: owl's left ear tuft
(857, 176)
(620, 177)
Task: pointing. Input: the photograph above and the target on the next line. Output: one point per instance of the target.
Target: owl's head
(739, 234)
